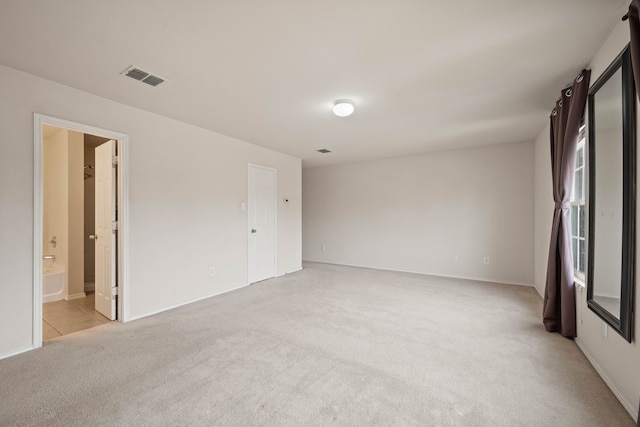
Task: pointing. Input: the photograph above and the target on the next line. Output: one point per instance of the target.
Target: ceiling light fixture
(343, 107)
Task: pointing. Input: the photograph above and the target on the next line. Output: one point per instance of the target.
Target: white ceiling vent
(143, 76)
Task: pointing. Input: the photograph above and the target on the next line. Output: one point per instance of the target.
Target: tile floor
(65, 317)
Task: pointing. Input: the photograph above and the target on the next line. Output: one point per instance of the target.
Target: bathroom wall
(75, 176)
(89, 212)
(63, 204)
(55, 168)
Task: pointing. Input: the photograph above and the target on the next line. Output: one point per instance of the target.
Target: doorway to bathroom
(80, 210)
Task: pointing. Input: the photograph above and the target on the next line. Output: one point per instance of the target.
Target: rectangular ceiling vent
(152, 80)
(323, 151)
(142, 76)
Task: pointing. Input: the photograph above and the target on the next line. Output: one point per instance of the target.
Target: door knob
(93, 237)
(253, 230)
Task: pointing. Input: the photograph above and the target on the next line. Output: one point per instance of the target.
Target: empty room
(290, 213)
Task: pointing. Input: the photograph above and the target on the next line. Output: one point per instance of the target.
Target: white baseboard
(185, 303)
(15, 353)
(289, 272)
(75, 296)
(631, 409)
(475, 279)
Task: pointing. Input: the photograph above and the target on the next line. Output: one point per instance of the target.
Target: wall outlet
(455, 258)
(605, 330)
(212, 271)
(485, 260)
(324, 248)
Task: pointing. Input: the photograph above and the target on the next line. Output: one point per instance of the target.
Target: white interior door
(105, 237)
(262, 223)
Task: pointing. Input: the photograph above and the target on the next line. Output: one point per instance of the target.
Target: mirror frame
(624, 324)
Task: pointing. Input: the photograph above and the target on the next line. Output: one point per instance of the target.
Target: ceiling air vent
(143, 76)
(152, 80)
(135, 73)
(323, 151)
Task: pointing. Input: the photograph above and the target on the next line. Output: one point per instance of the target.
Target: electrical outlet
(455, 258)
(212, 271)
(486, 260)
(324, 248)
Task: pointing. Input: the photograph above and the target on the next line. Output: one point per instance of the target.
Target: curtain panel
(559, 312)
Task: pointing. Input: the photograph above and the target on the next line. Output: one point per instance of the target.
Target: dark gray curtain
(634, 26)
(559, 314)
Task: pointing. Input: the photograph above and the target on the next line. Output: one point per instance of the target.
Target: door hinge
(114, 160)
(114, 225)
(114, 291)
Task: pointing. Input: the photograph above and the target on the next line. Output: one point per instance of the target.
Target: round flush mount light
(343, 107)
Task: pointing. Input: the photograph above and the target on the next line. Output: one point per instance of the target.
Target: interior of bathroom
(68, 165)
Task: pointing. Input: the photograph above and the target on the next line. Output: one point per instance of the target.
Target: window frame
(579, 275)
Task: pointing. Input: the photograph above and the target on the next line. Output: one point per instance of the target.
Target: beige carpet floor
(329, 345)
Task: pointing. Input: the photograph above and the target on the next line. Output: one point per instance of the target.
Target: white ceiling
(425, 75)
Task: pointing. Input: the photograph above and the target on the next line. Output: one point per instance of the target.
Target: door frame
(122, 237)
(275, 218)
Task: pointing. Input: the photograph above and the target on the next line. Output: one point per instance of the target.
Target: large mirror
(611, 166)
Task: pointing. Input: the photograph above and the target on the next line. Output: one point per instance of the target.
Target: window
(577, 209)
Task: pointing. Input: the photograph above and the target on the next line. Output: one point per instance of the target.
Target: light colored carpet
(329, 345)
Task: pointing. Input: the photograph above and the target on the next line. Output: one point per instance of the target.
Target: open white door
(105, 237)
(262, 223)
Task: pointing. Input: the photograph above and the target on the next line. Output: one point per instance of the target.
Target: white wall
(75, 265)
(544, 205)
(417, 213)
(186, 187)
(55, 206)
(616, 360)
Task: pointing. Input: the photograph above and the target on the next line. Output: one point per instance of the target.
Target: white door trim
(122, 141)
(275, 217)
